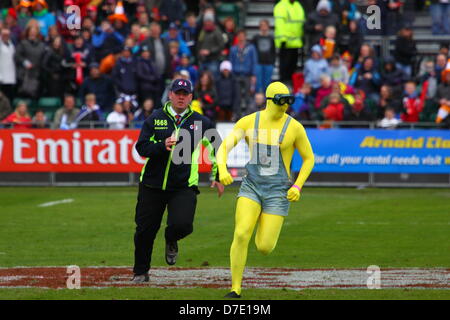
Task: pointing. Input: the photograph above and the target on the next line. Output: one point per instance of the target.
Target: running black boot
(171, 252)
(232, 295)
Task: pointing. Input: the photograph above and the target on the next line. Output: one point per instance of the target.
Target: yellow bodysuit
(248, 211)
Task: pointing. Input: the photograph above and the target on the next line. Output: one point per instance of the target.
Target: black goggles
(281, 99)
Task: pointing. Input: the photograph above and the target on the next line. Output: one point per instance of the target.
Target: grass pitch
(328, 228)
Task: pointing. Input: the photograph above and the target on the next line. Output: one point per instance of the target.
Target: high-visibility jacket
(289, 20)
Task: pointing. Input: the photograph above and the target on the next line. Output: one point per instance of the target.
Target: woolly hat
(324, 5)
(226, 65)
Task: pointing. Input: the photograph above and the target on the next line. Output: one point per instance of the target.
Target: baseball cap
(226, 65)
(173, 25)
(181, 84)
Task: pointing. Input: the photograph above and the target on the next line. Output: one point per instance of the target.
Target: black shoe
(232, 295)
(171, 252)
(140, 278)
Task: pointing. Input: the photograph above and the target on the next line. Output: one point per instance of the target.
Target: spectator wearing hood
(319, 20)
(392, 76)
(101, 86)
(146, 75)
(315, 67)
(124, 73)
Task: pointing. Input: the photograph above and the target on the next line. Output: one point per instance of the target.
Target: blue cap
(181, 84)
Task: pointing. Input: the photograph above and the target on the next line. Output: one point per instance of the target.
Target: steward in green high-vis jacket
(289, 18)
(171, 140)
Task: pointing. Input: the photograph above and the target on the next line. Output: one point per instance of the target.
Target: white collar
(174, 113)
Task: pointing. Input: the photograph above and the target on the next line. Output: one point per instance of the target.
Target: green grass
(328, 228)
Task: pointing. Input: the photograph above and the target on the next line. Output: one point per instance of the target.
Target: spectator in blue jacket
(45, 18)
(315, 67)
(368, 79)
(101, 86)
(244, 59)
(106, 40)
(147, 77)
(186, 65)
(124, 73)
(173, 35)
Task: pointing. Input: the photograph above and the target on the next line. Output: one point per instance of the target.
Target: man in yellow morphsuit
(266, 190)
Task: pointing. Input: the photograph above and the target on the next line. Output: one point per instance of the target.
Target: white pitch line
(54, 203)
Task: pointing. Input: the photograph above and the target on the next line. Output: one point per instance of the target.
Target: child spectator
(259, 102)
(427, 77)
(186, 65)
(228, 92)
(143, 113)
(89, 114)
(117, 119)
(20, 118)
(324, 90)
(334, 110)
(358, 110)
(206, 93)
(39, 120)
(412, 105)
(315, 67)
(388, 100)
(265, 47)
(338, 71)
(304, 103)
(174, 51)
(389, 121)
(328, 42)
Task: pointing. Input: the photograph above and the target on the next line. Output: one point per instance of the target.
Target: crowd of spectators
(115, 61)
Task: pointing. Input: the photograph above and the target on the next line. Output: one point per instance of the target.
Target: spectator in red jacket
(20, 118)
(412, 105)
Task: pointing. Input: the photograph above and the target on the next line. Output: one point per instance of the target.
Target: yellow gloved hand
(293, 194)
(225, 178)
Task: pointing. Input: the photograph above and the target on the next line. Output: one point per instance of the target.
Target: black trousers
(150, 209)
(288, 59)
